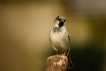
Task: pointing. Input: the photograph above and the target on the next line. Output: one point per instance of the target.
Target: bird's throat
(61, 24)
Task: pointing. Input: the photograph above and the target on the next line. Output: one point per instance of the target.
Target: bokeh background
(25, 26)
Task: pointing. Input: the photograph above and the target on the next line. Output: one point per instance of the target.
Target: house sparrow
(60, 39)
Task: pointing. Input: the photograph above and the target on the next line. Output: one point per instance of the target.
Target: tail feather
(70, 64)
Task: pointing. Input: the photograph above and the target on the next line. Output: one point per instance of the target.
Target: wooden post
(56, 63)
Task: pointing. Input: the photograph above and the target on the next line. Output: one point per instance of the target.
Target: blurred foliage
(87, 59)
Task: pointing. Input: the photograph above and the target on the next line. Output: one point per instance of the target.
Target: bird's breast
(57, 40)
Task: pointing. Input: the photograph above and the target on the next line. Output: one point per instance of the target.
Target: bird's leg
(57, 52)
(64, 53)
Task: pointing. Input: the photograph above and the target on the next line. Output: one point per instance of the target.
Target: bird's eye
(64, 20)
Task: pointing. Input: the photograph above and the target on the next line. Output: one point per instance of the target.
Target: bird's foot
(64, 53)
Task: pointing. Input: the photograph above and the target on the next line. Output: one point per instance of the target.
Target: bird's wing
(67, 42)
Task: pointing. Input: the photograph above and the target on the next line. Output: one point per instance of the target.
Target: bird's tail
(70, 64)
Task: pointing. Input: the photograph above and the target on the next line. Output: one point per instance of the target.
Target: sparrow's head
(60, 21)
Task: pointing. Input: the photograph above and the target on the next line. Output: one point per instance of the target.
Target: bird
(59, 38)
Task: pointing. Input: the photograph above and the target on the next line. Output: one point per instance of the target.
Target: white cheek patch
(56, 22)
